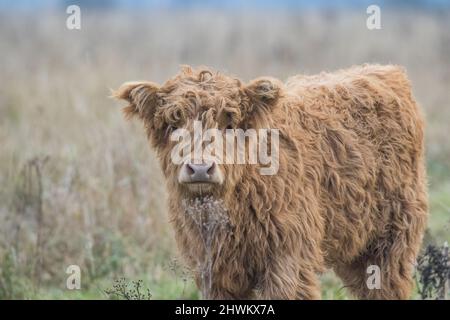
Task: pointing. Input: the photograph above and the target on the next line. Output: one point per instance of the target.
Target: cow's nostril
(189, 169)
(211, 168)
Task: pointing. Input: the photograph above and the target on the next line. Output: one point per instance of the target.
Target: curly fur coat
(350, 191)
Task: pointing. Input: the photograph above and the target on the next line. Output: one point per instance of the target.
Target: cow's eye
(169, 129)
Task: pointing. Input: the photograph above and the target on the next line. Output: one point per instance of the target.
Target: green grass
(164, 288)
(439, 222)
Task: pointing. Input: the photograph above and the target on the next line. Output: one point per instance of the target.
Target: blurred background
(80, 186)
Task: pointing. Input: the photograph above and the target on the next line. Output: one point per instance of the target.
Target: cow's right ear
(141, 96)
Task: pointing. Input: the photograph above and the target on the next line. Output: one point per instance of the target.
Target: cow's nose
(200, 172)
(206, 172)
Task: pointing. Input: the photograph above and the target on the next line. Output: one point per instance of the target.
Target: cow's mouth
(199, 187)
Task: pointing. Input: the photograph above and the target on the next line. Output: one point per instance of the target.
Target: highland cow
(350, 191)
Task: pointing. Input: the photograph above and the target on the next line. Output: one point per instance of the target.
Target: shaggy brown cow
(350, 191)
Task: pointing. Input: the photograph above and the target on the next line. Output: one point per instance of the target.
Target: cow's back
(371, 143)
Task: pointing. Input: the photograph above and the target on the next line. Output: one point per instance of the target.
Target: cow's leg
(395, 275)
(218, 293)
(220, 289)
(289, 278)
(394, 253)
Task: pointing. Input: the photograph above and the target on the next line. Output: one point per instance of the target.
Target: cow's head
(199, 99)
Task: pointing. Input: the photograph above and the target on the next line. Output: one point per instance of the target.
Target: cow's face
(179, 117)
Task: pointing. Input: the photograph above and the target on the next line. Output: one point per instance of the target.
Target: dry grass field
(79, 185)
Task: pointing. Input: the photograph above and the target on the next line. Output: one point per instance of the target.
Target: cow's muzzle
(203, 173)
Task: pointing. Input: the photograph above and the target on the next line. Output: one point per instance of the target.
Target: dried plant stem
(213, 225)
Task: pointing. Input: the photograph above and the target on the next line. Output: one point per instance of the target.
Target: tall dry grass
(79, 185)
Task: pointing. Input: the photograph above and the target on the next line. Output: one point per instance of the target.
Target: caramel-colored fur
(350, 191)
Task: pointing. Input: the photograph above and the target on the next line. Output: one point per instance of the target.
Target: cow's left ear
(263, 90)
(262, 93)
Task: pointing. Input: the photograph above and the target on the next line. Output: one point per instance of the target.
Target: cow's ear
(141, 96)
(262, 94)
(260, 98)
